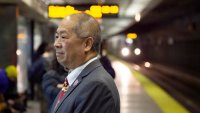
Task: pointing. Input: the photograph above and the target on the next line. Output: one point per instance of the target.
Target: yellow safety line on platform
(166, 103)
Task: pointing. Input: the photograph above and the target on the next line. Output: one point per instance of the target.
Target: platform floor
(133, 97)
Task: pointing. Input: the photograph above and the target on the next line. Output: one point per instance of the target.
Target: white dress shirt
(75, 72)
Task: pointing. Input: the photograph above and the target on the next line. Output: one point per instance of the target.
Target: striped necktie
(63, 90)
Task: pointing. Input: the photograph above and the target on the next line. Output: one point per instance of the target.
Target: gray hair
(87, 26)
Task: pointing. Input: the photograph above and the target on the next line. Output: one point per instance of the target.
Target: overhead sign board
(97, 11)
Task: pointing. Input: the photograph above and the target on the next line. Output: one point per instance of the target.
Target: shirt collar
(73, 74)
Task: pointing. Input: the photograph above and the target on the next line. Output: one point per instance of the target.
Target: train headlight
(125, 51)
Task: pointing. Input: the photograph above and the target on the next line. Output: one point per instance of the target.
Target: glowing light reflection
(147, 64)
(137, 17)
(136, 67)
(126, 84)
(125, 51)
(129, 41)
(137, 51)
(18, 52)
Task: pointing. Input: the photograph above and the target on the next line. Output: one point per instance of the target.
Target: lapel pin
(76, 82)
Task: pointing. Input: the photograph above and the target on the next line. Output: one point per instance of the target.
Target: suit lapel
(93, 65)
(69, 91)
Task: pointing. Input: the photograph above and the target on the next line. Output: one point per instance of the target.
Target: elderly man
(88, 87)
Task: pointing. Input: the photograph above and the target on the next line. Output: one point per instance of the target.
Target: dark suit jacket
(94, 91)
(49, 85)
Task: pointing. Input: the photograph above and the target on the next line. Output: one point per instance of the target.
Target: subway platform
(133, 97)
(138, 94)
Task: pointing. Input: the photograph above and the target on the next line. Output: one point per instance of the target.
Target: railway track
(184, 88)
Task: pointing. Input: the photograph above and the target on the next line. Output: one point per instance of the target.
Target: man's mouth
(59, 53)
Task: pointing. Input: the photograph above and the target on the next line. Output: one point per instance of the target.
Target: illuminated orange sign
(97, 11)
(132, 35)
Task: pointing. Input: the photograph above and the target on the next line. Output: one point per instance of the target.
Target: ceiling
(126, 18)
(165, 13)
(128, 10)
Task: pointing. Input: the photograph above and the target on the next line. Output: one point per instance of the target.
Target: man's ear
(88, 44)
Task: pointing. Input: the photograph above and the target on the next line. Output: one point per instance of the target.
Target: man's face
(69, 48)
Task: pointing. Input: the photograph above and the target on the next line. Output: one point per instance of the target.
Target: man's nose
(57, 43)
